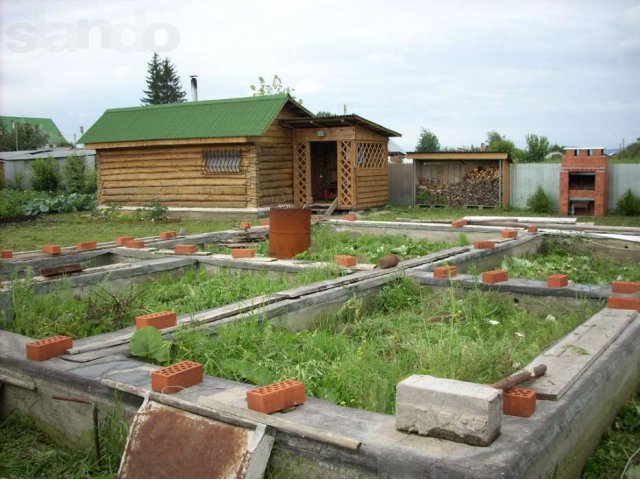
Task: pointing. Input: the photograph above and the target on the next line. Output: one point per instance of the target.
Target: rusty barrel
(289, 231)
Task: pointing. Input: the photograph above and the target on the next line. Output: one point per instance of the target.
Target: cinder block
(439, 407)
(243, 252)
(47, 348)
(185, 249)
(83, 246)
(495, 276)
(624, 303)
(625, 287)
(345, 260)
(484, 244)
(51, 249)
(168, 235)
(6, 254)
(560, 280)
(158, 320)
(122, 241)
(445, 272)
(176, 377)
(519, 402)
(277, 396)
(507, 233)
(459, 223)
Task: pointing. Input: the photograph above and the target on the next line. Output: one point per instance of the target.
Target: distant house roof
(45, 153)
(45, 124)
(393, 147)
(232, 117)
(329, 121)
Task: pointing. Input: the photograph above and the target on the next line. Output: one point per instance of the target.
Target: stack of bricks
(625, 295)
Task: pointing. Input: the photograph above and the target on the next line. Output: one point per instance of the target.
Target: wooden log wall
(372, 184)
(173, 175)
(275, 163)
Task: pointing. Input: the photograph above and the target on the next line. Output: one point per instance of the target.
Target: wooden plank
(573, 354)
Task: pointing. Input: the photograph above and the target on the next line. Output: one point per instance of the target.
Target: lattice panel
(346, 183)
(371, 155)
(301, 174)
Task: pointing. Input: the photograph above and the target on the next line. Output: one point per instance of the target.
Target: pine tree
(163, 83)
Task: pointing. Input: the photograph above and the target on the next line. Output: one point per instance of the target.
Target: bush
(540, 202)
(45, 175)
(154, 212)
(91, 184)
(628, 204)
(12, 201)
(75, 173)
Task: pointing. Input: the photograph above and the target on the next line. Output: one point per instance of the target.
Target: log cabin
(249, 153)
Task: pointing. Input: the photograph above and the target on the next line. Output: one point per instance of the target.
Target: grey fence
(402, 184)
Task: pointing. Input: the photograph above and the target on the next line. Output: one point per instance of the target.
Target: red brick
(51, 249)
(346, 260)
(625, 287)
(121, 241)
(168, 235)
(176, 377)
(245, 226)
(625, 303)
(445, 272)
(519, 402)
(484, 244)
(506, 233)
(82, 246)
(350, 217)
(158, 320)
(48, 348)
(185, 249)
(135, 244)
(459, 223)
(6, 253)
(532, 229)
(495, 276)
(243, 252)
(276, 397)
(559, 280)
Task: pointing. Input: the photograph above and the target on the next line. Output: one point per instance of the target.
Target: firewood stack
(479, 187)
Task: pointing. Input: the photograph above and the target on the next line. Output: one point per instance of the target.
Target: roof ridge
(216, 101)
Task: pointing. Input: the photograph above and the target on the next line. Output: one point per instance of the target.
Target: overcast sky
(569, 70)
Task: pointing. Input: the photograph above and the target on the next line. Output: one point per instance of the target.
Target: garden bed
(357, 356)
(103, 309)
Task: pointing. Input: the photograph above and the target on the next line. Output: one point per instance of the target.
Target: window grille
(371, 155)
(221, 161)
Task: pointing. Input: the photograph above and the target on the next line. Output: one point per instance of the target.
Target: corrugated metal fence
(526, 177)
(402, 184)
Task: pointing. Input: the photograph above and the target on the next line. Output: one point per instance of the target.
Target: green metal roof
(233, 117)
(45, 124)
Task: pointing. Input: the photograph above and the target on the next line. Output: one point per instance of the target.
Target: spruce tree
(163, 83)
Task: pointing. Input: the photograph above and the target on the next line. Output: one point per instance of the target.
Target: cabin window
(221, 161)
(371, 155)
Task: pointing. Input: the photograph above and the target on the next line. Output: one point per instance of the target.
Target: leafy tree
(630, 151)
(497, 143)
(537, 148)
(163, 83)
(427, 142)
(30, 137)
(75, 173)
(276, 86)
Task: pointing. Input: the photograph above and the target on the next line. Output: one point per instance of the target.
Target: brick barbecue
(584, 182)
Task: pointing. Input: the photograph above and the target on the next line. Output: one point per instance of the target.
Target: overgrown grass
(64, 313)
(583, 267)
(27, 452)
(357, 356)
(70, 228)
(617, 447)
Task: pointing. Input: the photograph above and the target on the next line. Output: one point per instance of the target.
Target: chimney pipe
(194, 88)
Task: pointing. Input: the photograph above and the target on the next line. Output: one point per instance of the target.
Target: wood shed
(461, 179)
(250, 152)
